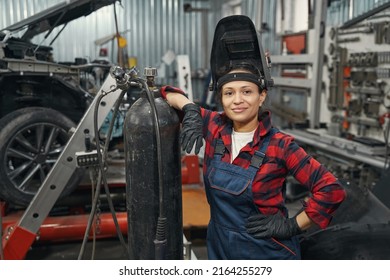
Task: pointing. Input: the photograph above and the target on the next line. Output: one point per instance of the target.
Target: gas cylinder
(143, 200)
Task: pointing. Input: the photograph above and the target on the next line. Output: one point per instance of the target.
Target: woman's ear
(263, 94)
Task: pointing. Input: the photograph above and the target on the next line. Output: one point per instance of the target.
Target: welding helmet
(236, 44)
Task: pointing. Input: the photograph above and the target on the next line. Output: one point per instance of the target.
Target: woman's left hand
(278, 226)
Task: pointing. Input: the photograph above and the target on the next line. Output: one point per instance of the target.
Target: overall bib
(229, 192)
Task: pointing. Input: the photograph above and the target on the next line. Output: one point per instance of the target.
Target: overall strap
(219, 148)
(258, 156)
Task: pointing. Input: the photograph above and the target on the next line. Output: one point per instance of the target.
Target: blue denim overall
(229, 192)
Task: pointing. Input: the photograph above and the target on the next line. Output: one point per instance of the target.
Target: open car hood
(57, 15)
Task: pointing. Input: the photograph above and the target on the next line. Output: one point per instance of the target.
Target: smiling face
(241, 101)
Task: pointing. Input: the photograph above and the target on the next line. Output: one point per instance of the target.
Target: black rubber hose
(102, 177)
(97, 193)
(160, 241)
(102, 160)
(91, 216)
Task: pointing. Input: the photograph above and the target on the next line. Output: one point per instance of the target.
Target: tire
(350, 241)
(24, 159)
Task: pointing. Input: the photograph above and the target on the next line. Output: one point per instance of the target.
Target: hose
(91, 216)
(160, 241)
(92, 176)
(102, 177)
(102, 160)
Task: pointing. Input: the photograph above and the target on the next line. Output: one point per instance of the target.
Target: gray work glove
(278, 226)
(192, 128)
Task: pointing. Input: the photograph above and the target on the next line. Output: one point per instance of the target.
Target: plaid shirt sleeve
(326, 191)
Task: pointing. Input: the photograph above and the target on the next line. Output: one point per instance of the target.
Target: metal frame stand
(18, 239)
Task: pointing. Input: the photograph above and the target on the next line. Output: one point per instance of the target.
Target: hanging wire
(91, 217)
(102, 176)
(92, 175)
(103, 166)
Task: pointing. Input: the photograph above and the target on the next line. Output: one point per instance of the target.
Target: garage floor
(108, 249)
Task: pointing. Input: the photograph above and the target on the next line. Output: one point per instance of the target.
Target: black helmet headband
(248, 77)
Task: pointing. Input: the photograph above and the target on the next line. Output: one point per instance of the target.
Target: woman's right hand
(192, 128)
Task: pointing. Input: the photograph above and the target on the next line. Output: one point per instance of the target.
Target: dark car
(41, 100)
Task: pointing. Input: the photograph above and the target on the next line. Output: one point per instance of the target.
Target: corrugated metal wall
(152, 27)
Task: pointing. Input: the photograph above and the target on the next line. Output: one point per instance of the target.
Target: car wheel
(32, 140)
